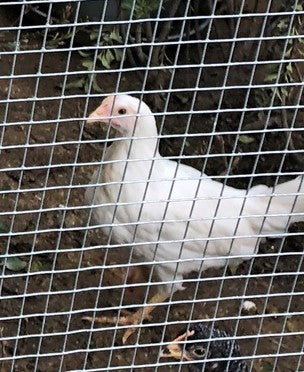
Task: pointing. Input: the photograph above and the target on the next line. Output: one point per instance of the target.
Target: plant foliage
(142, 8)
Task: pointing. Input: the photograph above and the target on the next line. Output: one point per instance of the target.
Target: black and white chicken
(196, 345)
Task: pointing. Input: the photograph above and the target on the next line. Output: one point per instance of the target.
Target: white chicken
(172, 213)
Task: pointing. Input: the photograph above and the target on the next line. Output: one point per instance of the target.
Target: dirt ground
(54, 257)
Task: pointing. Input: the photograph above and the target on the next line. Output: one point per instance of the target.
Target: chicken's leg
(131, 318)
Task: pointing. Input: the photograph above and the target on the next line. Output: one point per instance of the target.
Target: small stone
(249, 307)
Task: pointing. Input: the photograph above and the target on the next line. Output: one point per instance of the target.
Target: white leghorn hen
(213, 209)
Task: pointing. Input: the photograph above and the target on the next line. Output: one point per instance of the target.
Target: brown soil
(54, 251)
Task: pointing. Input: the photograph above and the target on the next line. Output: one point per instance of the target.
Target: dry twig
(3, 345)
(289, 138)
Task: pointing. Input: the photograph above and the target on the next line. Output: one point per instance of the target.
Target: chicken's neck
(137, 148)
(142, 144)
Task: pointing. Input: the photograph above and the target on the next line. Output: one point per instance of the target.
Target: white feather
(154, 211)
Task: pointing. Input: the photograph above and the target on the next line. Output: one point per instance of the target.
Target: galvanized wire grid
(47, 159)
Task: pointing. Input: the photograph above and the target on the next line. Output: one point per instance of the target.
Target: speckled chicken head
(122, 112)
(199, 351)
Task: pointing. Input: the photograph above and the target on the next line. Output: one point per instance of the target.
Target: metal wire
(228, 100)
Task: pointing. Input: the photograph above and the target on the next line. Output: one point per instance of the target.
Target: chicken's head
(127, 114)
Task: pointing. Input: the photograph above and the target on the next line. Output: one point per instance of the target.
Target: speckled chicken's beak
(172, 351)
(175, 349)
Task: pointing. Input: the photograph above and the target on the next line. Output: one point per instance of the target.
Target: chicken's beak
(172, 351)
(175, 349)
(100, 115)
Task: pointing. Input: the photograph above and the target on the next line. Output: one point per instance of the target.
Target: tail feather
(286, 204)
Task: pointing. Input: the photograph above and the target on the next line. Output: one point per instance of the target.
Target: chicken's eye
(199, 352)
(122, 111)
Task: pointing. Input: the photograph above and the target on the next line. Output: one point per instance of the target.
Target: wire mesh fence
(187, 200)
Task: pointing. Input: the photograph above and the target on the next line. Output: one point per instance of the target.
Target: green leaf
(292, 326)
(12, 45)
(3, 229)
(299, 8)
(246, 139)
(36, 266)
(267, 367)
(86, 85)
(127, 5)
(278, 94)
(287, 77)
(110, 56)
(184, 99)
(94, 35)
(289, 67)
(84, 54)
(105, 40)
(282, 24)
(284, 92)
(288, 52)
(15, 264)
(142, 8)
(105, 60)
(114, 35)
(88, 64)
(76, 84)
(301, 52)
(271, 77)
(118, 54)
(96, 86)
